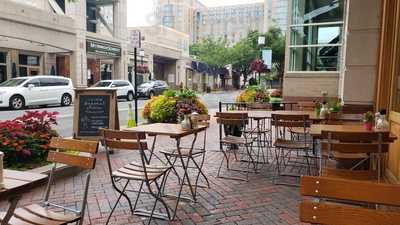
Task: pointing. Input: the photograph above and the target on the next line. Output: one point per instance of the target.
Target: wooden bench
(321, 210)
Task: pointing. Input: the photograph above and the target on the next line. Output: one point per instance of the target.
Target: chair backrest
(78, 153)
(355, 142)
(124, 140)
(323, 212)
(290, 120)
(306, 106)
(227, 118)
(202, 119)
(258, 106)
(69, 152)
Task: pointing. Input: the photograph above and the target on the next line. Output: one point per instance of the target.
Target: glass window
(35, 82)
(29, 60)
(3, 57)
(47, 82)
(315, 58)
(316, 35)
(61, 82)
(321, 11)
(12, 82)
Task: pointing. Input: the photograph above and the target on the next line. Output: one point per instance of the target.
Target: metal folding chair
(289, 151)
(358, 148)
(142, 171)
(233, 142)
(191, 153)
(41, 213)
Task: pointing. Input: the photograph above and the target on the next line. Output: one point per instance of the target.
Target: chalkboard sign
(94, 109)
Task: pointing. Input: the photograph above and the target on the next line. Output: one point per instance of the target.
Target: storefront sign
(101, 48)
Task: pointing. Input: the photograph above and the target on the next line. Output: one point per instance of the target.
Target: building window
(316, 35)
(3, 66)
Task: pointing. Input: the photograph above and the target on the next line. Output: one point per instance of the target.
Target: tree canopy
(243, 53)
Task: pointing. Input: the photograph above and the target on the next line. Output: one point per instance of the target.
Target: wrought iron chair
(233, 125)
(142, 171)
(287, 148)
(41, 213)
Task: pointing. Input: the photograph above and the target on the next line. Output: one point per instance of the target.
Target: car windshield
(12, 82)
(147, 84)
(103, 84)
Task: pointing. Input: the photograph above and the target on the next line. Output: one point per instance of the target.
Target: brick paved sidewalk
(226, 202)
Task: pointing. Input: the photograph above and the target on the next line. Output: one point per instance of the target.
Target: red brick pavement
(226, 202)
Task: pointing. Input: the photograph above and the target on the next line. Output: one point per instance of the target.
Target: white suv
(124, 88)
(19, 92)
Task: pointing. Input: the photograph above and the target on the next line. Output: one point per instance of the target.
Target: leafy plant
(368, 117)
(170, 93)
(25, 140)
(253, 94)
(187, 94)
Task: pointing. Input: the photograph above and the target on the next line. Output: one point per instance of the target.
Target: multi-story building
(276, 14)
(230, 23)
(85, 40)
(179, 15)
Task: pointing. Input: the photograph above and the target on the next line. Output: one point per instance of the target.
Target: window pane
(396, 101)
(3, 57)
(314, 59)
(317, 11)
(311, 35)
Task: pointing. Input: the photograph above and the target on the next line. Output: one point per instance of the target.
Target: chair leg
(116, 203)
(138, 195)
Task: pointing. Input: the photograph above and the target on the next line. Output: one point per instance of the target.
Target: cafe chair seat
(229, 139)
(289, 144)
(299, 130)
(257, 130)
(36, 214)
(185, 152)
(134, 171)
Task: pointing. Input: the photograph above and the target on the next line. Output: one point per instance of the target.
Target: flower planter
(368, 126)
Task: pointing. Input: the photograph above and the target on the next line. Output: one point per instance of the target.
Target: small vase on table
(186, 124)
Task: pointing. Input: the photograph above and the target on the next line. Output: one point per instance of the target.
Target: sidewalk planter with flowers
(253, 94)
(172, 106)
(368, 119)
(25, 140)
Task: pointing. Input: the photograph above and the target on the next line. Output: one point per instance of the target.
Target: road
(65, 117)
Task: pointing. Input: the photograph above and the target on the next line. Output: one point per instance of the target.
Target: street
(65, 117)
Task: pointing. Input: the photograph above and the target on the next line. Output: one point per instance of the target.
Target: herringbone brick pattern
(225, 202)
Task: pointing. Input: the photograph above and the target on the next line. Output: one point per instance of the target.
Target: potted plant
(335, 108)
(318, 107)
(368, 119)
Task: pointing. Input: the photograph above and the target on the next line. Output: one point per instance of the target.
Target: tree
(212, 52)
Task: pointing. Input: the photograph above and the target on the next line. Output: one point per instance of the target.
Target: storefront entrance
(3, 66)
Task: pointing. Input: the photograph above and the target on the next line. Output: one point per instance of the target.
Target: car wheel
(151, 94)
(66, 100)
(17, 102)
(130, 96)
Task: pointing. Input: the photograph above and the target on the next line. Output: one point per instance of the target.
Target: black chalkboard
(94, 113)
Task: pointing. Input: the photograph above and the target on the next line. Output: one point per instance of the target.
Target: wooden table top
(312, 114)
(316, 129)
(19, 182)
(166, 129)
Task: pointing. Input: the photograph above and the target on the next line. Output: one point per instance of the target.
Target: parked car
(124, 88)
(152, 88)
(19, 92)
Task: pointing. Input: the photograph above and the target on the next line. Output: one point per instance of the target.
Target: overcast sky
(140, 12)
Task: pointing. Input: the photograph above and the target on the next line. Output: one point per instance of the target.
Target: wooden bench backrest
(348, 190)
(124, 140)
(74, 156)
(343, 189)
(306, 106)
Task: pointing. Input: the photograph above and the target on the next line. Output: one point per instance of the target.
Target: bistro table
(16, 183)
(176, 132)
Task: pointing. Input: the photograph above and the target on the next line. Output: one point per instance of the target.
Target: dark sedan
(152, 88)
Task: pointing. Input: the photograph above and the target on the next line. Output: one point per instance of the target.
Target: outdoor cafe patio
(245, 163)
